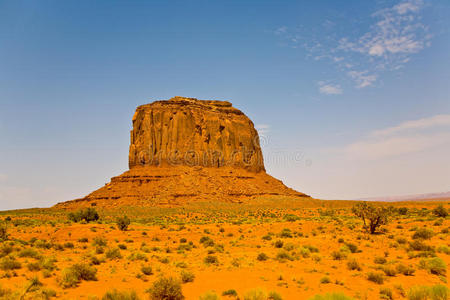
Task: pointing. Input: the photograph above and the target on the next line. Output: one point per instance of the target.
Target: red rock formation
(185, 150)
(187, 131)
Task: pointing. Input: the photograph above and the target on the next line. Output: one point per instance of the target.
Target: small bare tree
(372, 216)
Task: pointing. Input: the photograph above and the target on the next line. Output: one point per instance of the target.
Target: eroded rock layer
(184, 150)
(180, 185)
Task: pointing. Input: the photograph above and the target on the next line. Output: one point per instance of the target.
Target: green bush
(436, 292)
(434, 265)
(88, 214)
(113, 253)
(116, 295)
(423, 233)
(332, 296)
(231, 292)
(325, 280)
(166, 288)
(9, 263)
(402, 211)
(123, 223)
(211, 259)
(3, 231)
(440, 211)
(262, 257)
(209, 296)
(386, 293)
(339, 255)
(187, 276)
(405, 270)
(353, 264)
(256, 294)
(72, 276)
(375, 277)
(147, 270)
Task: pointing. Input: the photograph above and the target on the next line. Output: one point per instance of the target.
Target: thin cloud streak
(438, 120)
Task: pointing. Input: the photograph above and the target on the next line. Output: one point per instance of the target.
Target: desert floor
(297, 249)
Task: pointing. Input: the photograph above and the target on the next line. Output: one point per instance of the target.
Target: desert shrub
(444, 249)
(339, 255)
(278, 244)
(423, 233)
(402, 211)
(231, 292)
(386, 293)
(380, 260)
(187, 276)
(100, 241)
(353, 264)
(6, 250)
(332, 296)
(311, 249)
(88, 214)
(375, 277)
(256, 294)
(283, 255)
(3, 231)
(166, 288)
(267, 237)
(29, 252)
(9, 263)
(419, 245)
(372, 216)
(440, 211)
(434, 265)
(401, 240)
(274, 296)
(137, 256)
(325, 280)
(352, 247)
(389, 270)
(209, 296)
(405, 270)
(206, 241)
(73, 275)
(436, 292)
(262, 257)
(147, 270)
(116, 295)
(211, 259)
(286, 233)
(34, 267)
(113, 253)
(123, 223)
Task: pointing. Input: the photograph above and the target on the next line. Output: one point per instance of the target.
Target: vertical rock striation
(187, 131)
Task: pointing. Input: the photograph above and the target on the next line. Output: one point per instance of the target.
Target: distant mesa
(184, 150)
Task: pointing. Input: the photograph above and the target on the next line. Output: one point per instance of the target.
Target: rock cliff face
(184, 150)
(187, 131)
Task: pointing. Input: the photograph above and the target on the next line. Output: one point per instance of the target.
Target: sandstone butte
(184, 150)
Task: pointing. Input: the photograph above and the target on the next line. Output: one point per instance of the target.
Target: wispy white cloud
(434, 121)
(394, 34)
(362, 79)
(396, 145)
(330, 89)
(406, 137)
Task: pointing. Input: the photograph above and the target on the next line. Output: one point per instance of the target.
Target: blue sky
(352, 99)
